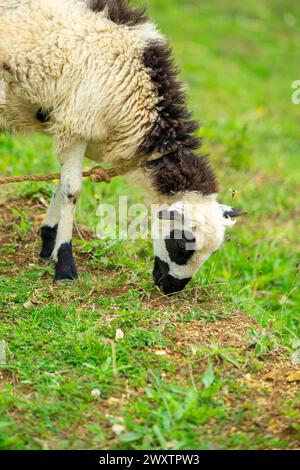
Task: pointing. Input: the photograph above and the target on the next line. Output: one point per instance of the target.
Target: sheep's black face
(167, 283)
(180, 246)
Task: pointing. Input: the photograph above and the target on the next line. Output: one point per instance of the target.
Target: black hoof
(65, 269)
(48, 235)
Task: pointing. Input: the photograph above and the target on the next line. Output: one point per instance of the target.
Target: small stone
(118, 429)
(96, 393)
(160, 353)
(119, 334)
(112, 401)
(28, 305)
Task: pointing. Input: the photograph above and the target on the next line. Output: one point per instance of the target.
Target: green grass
(239, 60)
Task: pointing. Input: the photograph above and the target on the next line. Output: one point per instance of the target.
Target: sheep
(99, 78)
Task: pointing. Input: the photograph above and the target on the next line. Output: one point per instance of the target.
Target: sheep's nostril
(161, 269)
(157, 277)
(158, 281)
(171, 285)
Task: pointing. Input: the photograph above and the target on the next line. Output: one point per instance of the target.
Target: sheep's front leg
(70, 189)
(50, 225)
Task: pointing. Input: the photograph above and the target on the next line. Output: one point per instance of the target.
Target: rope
(97, 175)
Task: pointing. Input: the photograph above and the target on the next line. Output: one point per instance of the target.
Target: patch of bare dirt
(231, 331)
(273, 392)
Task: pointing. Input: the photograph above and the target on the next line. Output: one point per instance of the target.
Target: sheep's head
(185, 235)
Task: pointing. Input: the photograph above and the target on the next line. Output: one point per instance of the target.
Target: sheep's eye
(180, 244)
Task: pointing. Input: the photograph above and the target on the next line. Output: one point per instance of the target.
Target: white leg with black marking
(50, 225)
(71, 184)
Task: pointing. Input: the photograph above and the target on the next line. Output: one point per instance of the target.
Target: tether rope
(97, 175)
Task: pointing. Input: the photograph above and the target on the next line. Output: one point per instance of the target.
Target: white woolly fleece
(60, 55)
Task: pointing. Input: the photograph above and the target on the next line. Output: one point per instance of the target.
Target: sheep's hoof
(66, 276)
(65, 268)
(65, 281)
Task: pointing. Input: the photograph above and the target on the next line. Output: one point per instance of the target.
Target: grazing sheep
(99, 79)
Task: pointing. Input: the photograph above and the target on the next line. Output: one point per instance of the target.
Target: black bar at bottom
(141, 459)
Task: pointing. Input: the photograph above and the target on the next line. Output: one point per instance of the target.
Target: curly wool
(174, 129)
(119, 11)
(176, 173)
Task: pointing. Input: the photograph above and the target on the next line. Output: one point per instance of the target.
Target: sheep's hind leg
(50, 225)
(71, 183)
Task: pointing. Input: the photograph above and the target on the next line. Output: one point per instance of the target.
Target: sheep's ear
(229, 212)
(167, 214)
